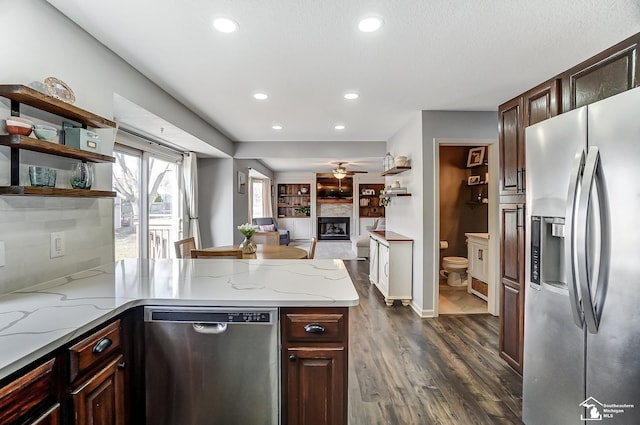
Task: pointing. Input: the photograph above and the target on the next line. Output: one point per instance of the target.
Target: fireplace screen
(333, 228)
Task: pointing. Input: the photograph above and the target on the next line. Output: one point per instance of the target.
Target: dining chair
(312, 249)
(220, 253)
(183, 247)
(266, 238)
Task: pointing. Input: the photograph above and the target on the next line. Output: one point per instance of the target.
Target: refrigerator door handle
(570, 241)
(592, 298)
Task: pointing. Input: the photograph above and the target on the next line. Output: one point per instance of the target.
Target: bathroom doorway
(466, 173)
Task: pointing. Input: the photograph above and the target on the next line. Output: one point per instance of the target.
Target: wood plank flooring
(404, 370)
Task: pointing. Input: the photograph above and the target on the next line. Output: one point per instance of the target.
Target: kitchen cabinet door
(383, 271)
(511, 142)
(373, 260)
(606, 74)
(100, 398)
(316, 386)
(512, 285)
(50, 417)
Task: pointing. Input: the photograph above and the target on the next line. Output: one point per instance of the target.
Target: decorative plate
(59, 90)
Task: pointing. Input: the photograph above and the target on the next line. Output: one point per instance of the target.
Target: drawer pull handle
(314, 328)
(292, 358)
(101, 346)
(122, 365)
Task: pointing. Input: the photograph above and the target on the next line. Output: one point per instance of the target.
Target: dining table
(282, 252)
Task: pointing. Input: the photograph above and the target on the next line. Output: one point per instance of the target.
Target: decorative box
(81, 138)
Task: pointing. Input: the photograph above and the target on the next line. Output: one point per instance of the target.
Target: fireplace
(333, 228)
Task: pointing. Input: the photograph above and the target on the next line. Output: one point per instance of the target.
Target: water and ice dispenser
(547, 252)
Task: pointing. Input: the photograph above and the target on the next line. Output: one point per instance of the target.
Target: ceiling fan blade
(357, 172)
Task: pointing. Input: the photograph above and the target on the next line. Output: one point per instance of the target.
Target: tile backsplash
(26, 224)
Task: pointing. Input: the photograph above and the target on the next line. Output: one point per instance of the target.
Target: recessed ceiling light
(351, 96)
(370, 24)
(339, 126)
(225, 25)
(276, 127)
(260, 96)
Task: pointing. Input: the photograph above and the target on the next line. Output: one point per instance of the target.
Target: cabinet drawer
(315, 327)
(18, 397)
(94, 349)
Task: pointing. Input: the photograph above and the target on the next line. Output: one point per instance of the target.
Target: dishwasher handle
(209, 328)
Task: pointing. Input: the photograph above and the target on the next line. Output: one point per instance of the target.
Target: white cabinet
(373, 260)
(391, 265)
(478, 255)
(299, 228)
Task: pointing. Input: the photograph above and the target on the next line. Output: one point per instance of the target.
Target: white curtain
(266, 198)
(267, 209)
(250, 203)
(190, 175)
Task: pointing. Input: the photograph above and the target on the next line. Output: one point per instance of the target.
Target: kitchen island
(37, 321)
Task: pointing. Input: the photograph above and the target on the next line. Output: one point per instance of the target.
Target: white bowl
(14, 123)
(400, 161)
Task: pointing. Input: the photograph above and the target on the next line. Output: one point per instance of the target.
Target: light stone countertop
(37, 320)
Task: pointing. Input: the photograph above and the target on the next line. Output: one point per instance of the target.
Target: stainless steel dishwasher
(212, 366)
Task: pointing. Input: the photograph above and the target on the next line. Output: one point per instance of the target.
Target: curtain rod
(147, 139)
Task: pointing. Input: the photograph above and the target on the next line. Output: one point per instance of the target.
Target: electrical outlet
(57, 244)
(2, 253)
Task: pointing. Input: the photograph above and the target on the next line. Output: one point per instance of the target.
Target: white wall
(404, 215)
(241, 200)
(451, 125)
(40, 42)
(414, 216)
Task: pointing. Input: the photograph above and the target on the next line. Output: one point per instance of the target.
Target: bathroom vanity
(77, 343)
(478, 255)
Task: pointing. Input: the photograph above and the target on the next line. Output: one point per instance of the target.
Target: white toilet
(455, 270)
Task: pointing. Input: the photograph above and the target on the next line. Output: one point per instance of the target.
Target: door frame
(493, 303)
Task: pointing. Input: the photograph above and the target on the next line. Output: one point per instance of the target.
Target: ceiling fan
(340, 172)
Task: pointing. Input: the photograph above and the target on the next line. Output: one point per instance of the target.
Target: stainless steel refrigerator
(582, 300)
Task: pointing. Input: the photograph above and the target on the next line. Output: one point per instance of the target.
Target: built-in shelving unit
(19, 95)
(369, 204)
(294, 200)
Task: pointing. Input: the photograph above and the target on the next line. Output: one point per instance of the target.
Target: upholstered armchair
(285, 238)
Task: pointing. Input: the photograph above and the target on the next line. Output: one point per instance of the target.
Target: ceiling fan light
(339, 173)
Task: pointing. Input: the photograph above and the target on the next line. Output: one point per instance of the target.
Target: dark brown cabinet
(99, 400)
(29, 398)
(610, 72)
(512, 284)
(50, 417)
(314, 372)
(606, 74)
(511, 142)
(534, 106)
(97, 378)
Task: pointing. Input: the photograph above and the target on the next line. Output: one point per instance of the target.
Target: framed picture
(242, 182)
(473, 180)
(476, 156)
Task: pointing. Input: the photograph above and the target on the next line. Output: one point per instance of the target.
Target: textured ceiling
(429, 55)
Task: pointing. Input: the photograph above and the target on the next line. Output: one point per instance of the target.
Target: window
(148, 208)
(258, 204)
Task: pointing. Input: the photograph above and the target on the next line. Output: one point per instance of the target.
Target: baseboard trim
(423, 314)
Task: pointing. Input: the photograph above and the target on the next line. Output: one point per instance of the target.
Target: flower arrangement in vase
(248, 246)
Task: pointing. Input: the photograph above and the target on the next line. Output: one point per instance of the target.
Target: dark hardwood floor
(409, 371)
